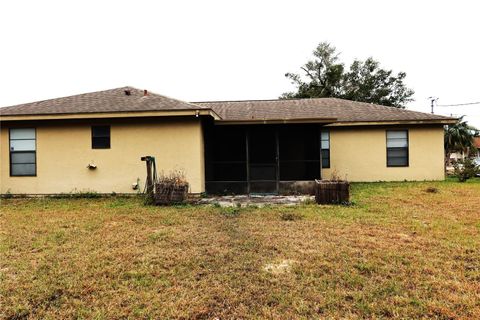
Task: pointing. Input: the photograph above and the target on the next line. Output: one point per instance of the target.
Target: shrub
(171, 188)
(174, 177)
(308, 201)
(230, 211)
(465, 169)
(78, 194)
(348, 203)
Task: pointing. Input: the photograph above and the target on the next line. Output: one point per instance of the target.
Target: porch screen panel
(299, 153)
(226, 168)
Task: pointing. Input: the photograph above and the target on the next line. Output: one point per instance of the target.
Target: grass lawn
(399, 251)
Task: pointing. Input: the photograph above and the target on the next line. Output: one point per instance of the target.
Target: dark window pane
(23, 169)
(397, 157)
(397, 162)
(299, 170)
(101, 131)
(397, 153)
(23, 157)
(101, 143)
(100, 137)
(325, 158)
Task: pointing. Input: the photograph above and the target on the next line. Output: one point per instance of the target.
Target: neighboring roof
(476, 142)
(114, 100)
(318, 108)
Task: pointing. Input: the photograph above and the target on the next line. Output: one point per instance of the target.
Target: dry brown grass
(399, 252)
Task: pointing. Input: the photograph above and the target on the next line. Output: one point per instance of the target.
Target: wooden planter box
(169, 193)
(332, 192)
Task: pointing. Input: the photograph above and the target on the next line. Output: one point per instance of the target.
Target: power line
(457, 104)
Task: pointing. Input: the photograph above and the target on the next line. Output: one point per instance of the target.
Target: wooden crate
(332, 192)
(168, 193)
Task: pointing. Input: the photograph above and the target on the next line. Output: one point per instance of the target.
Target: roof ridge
(376, 105)
(69, 96)
(260, 100)
(152, 93)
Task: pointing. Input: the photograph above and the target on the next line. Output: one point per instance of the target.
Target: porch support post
(320, 142)
(247, 160)
(277, 157)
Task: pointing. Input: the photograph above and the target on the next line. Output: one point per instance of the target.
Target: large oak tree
(365, 81)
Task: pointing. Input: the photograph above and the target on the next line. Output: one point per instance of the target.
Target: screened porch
(264, 159)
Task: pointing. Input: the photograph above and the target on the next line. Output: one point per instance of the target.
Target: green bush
(465, 169)
(230, 211)
(78, 194)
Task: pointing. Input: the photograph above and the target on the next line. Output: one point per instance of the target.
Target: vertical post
(320, 142)
(149, 186)
(277, 158)
(247, 156)
(149, 178)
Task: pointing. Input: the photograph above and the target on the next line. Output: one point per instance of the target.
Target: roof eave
(392, 122)
(103, 115)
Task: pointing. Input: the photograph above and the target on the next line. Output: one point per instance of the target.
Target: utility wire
(458, 104)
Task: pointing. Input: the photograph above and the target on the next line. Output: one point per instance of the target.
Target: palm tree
(459, 138)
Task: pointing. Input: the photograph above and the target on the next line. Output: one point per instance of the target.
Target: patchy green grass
(401, 251)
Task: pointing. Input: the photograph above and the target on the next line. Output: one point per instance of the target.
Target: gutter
(392, 122)
(103, 115)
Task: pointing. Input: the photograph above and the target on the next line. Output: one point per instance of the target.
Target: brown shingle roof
(114, 100)
(342, 110)
(476, 142)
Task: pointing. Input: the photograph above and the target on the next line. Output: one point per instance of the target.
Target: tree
(324, 75)
(459, 138)
(365, 81)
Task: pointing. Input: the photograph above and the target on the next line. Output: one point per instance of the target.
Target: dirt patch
(280, 267)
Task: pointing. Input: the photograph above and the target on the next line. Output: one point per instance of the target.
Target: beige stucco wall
(64, 151)
(359, 154)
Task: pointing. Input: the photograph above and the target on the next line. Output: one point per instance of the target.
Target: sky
(234, 50)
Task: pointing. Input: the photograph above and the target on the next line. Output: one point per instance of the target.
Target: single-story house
(258, 146)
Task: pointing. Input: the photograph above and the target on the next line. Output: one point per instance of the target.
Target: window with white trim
(397, 148)
(23, 152)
